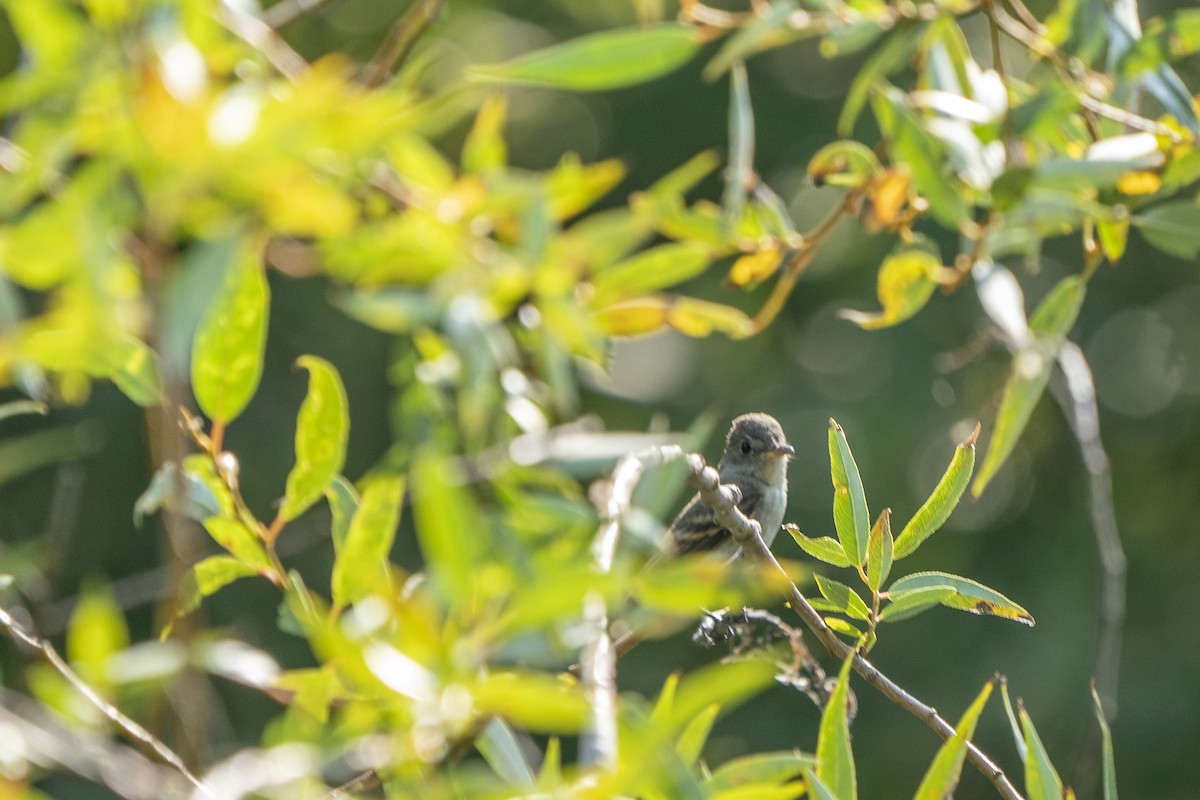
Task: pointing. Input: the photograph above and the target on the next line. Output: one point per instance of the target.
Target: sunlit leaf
(845, 163)
(18, 407)
(880, 551)
(657, 268)
(240, 541)
(1172, 228)
(835, 761)
(907, 604)
(532, 700)
(754, 268)
(887, 58)
(362, 560)
(824, 548)
(942, 501)
(968, 595)
(484, 150)
(1113, 235)
(133, 367)
(850, 514)
(228, 350)
(500, 748)
(760, 769)
(1041, 779)
(96, 631)
(699, 318)
(691, 740)
(634, 317)
(762, 32)
(322, 428)
(312, 690)
(573, 186)
(606, 60)
(208, 577)
(450, 529)
(906, 281)
(941, 779)
(889, 199)
(817, 788)
(843, 598)
(343, 505)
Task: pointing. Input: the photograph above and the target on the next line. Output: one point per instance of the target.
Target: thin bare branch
(400, 40)
(263, 38)
(289, 11)
(133, 729)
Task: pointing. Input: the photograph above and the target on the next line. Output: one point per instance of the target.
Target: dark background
(1029, 537)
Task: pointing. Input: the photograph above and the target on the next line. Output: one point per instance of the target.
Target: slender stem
(400, 40)
(289, 11)
(133, 729)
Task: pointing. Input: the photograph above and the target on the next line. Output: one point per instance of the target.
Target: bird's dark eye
(745, 445)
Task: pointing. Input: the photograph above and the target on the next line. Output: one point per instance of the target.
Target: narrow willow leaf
(817, 789)
(1014, 725)
(362, 562)
(835, 761)
(741, 145)
(657, 268)
(343, 505)
(941, 779)
(850, 513)
(684, 178)
(968, 595)
(17, 407)
(1050, 322)
(240, 541)
(880, 550)
(634, 317)
(322, 429)
(599, 61)
(450, 529)
(550, 776)
(1171, 227)
(208, 577)
(824, 548)
(839, 625)
(531, 700)
(132, 366)
(698, 318)
(884, 60)
(760, 769)
(903, 605)
(843, 598)
(1109, 767)
(1041, 779)
(227, 353)
(936, 510)
(906, 281)
(484, 149)
(761, 32)
(499, 747)
(691, 741)
(847, 163)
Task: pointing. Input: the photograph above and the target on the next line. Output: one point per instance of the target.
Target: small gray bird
(755, 461)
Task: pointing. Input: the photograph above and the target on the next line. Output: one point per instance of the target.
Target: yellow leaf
(1139, 183)
(633, 317)
(753, 268)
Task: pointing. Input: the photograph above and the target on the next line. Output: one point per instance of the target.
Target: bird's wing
(696, 529)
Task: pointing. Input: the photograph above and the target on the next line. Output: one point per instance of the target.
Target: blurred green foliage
(494, 198)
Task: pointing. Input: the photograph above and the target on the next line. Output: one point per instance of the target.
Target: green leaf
(839, 625)
(343, 505)
(1109, 768)
(657, 268)
(906, 281)
(199, 500)
(968, 595)
(887, 58)
(450, 529)
(1014, 725)
(835, 761)
(535, 701)
(132, 366)
(691, 741)
(936, 510)
(817, 789)
(760, 769)
(880, 549)
(903, 605)
(845, 163)
(227, 353)
(698, 318)
(606, 60)
(741, 146)
(17, 407)
(312, 689)
(240, 541)
(843, 598)
(484, 150)
(941, 779)
(1041, 779)
(208, 577)
(322, 429)
(499, 747)
(762, 32)
(850, 514)
(824, 548)
(1050, 322)
(362, 562)
(1173, 228)
(95, 632)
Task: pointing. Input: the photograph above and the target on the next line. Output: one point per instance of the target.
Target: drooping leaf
(322, 428)
(824, 548)
(845, 163)
(741, 146)
(941, 779)
(906, 281)
(361, 563)
(760, 769)
(835, 761)
(227, 352)
(607, 60)
(850, 514)
(907, 604)
(936, 510)
(968, 595)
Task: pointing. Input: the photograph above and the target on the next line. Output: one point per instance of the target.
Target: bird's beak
(783, 450)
